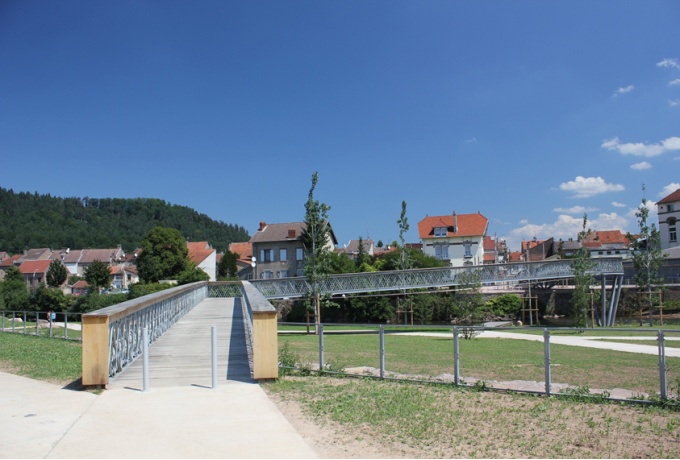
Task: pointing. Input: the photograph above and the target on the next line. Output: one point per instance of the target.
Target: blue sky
(531, 113)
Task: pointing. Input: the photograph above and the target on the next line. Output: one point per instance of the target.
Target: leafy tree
(647, 256)
(227, 268)
(405, 261)
(192, 274)
(14, 291)
(341, 263)
(417, 259)
(315, 239)
(164, 255)
(362, 257)
(56, 274)
(46, 299)
(505, 305)
(581, 267)
(98, 275)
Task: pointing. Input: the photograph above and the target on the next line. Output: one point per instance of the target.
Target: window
(672, 231)
(282, 274)
(299, 254)
(441, 251)
(267, 255)
(440, 231)
(283, 255)
(468, 253)
(267, 275)
(671, 207)
(300, 272)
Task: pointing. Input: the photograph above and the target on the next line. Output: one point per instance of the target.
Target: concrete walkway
(180, 416)
(586, 342)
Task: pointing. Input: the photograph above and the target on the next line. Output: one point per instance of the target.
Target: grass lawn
(486, 359)
(53, 360)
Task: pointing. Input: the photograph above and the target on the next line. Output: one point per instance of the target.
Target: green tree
(404, 304)
(362, 257)
(46, 299)
(164, 255)
(647, 257)
(581, 267)
(56, 274)
(14, 291)
(227, 268)
(341, 263)
(98, 275)
(192, 274)
(315, 239)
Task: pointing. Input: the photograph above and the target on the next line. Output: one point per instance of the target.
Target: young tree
(647, 256)
(56, 274)
(315, 238)
(468, 305)
(164, 255)
(98, 275)
(404, 305)
(192, 274)
(361, 255)
(583, 279)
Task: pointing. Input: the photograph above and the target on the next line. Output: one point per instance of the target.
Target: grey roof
(353, 246)
(279, 232)
(672, 253)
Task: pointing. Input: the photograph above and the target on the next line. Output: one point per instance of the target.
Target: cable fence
(61, 325)
(612, 363)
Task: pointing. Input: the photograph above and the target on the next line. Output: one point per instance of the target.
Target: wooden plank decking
(182, 356)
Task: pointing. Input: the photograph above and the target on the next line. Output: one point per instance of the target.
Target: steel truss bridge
(432, 278)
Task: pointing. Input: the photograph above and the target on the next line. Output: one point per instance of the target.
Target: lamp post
(253, 263)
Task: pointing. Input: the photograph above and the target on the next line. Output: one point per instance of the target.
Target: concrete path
(180, 416)
(586, 342)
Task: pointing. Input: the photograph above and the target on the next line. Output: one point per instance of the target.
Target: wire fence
(44, 324)
(613, 363)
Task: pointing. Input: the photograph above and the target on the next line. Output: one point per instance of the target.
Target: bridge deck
(182, 356)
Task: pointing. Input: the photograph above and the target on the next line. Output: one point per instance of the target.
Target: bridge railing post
(265, 333)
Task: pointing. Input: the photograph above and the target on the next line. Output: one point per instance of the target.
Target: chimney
(455, 222)
(291, 233)
(263, 224)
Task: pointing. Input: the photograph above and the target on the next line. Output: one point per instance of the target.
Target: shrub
(505, 305)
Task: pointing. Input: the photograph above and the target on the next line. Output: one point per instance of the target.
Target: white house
(205, 257)
(456, 238)
(669, 213)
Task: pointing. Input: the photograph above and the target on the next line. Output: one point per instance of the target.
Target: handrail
(261, 332)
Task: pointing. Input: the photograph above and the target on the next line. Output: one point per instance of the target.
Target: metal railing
(355, 364)
(433, 278)
(64, 325)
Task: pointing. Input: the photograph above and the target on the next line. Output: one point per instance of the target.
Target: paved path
(586, 342)
(181, 416)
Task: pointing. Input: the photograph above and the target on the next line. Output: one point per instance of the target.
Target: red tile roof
(35, 266)
(244, 250)
(199, 251)
(468, 225)
(675, 196)
(489, 244)
(598, 238)
(9, 262)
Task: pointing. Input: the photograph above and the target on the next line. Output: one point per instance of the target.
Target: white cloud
(584, 187)
(566, 227)
(523, 221)
(574, 210)
(472, 140)
(641, 149)
(640, 166)
(675, 82)
(668, 63)
(674, 103)
(616, 204)
(652, 217)
(624, 90)
(668, 189)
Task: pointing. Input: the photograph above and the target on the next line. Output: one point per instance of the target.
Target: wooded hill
(38, 221)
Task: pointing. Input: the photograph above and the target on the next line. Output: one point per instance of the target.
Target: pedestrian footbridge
(178, 321)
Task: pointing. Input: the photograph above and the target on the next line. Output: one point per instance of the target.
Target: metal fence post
(145, 359)
(663, 384)
(382, 352)
(213, 334)
(24, 323)
(37, 320)
(456, 357)
(546, 348)
(66, 325)
(321, 363)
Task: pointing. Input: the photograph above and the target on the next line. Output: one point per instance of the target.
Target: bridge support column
(265, 345)
(95, 350)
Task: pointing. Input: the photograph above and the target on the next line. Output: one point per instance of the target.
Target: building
(122, 276)
(352, 248)
(669, 213)
(77, 261)
(456, 238)
(607, 243)
(204, 256)
(244, 251)
(278, 250)
(35, 271)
